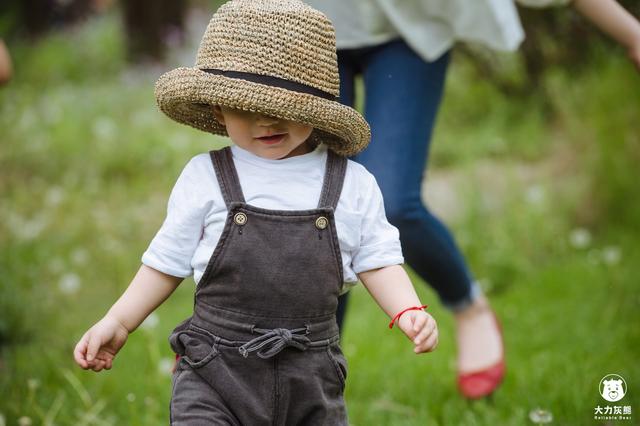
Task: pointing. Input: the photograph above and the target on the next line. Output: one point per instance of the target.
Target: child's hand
(100, 344)
(421, 328)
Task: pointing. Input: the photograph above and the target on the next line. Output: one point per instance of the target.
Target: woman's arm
(615, 21)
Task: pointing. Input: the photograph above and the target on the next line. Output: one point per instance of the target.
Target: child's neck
(304, 148)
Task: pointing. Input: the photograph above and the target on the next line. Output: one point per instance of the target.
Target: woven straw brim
(187, 94)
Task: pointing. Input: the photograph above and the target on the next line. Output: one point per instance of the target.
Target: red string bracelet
(413, 308)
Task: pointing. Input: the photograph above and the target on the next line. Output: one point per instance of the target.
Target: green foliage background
(548, 217)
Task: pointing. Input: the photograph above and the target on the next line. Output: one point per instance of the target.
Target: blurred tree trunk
(149, 25)
(36, 15)
(39, 16)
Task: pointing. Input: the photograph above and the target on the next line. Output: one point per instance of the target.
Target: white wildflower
(535, 195)
(31, 229)
(580, 238)
(150, 322)
(165, 366)
(69, 283)
(611, 255)
(79, 256)
(25, 421)
(540, 416)
(104, 128)
(55, 195)
(33, 384)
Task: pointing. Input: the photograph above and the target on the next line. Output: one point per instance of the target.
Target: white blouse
(430, 27)
(196, 211)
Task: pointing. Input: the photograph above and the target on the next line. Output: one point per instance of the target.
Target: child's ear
(217, 113)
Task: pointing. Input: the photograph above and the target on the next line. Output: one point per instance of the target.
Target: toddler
(273, 229)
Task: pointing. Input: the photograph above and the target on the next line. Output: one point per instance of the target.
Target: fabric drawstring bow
(273, 341)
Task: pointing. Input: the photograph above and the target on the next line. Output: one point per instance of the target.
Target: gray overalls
(261, 347)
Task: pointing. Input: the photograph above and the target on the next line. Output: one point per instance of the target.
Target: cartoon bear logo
(613, 387)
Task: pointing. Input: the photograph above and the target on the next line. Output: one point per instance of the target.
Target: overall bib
(262, 346)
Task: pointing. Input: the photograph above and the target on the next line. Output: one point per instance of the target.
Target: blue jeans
(402, 95)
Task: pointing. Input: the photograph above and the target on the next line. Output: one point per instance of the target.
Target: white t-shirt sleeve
(379, 240)
(543, 3)
(172, 249)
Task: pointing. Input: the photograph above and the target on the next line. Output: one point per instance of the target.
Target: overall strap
(333, 180)
(227, 176)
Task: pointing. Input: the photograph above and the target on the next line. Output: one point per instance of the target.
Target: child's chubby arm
(615, 21)
(391, 288)
(100, 344)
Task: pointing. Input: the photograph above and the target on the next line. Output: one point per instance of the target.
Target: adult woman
(401, 49)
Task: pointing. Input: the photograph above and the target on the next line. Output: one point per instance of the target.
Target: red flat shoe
(482, 383)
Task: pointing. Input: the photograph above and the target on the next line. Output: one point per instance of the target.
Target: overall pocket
(195, 345)
(339, 362)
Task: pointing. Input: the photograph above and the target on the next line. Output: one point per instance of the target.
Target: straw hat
(276, 57)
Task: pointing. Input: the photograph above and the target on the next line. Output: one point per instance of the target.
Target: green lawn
(86, 166)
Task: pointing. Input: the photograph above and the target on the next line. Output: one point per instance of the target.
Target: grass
(86, 166)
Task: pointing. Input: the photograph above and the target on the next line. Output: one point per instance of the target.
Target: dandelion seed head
(540, 416)
(69, 283)
(33, 384)
(165, 366)
(535, 195)
(611, 255)
(25, 421)
(580, 238)
(79, 256)
(150, 322)
(131, 397)
(26, 230)
(54, 196)
(104, 128)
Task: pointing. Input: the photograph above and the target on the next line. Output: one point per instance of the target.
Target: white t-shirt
(430, 27)
(196, 211)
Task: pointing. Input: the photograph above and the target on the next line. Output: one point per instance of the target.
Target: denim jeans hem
(460, 305)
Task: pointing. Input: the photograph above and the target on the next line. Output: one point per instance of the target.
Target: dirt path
(494, 182)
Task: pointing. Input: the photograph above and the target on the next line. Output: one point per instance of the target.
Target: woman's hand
(421, 328)
(100, 344)
(634, 54)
